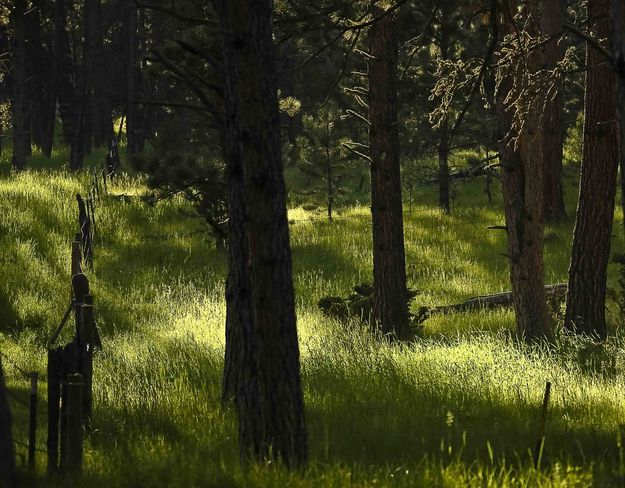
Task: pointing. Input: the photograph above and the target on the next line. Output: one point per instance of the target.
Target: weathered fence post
(32, 427)
(54, 398)
(76, 257)
(73, 422)
(85, 344)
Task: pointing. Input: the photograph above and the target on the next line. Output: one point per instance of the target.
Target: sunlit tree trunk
(390, 308)
(585, 304)
(522, 182)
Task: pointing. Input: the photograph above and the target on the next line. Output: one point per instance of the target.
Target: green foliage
(176, 166)
(573, 144)
(328, 173)
(358, 305)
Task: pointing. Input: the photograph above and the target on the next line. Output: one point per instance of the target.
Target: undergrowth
(458, 406)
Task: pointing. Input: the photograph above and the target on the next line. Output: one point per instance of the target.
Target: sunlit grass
(457, 407)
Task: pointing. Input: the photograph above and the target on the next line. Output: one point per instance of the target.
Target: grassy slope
(457, 408)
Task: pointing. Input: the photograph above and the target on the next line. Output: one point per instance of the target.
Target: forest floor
(458, 406)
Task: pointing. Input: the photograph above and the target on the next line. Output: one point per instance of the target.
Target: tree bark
(19, 103)
(269, 397)
(390, 307)
(102, 110)
(618, 47)
(551, 125)
(585, 305)
(41, 93)
(63, 68)
(522, 184)
(7, 453)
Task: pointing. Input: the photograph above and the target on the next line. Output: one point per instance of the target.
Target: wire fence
(30, 405)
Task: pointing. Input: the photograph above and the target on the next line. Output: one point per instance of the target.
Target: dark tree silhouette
(19, 73)
(268, 394)
(552, 132)
(7, 453)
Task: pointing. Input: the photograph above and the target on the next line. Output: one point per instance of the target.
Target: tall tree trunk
(102, 109)
(552, 133)
(522, 183)
(585, 304)
(390, 303)
(443, 133)
(63, 68)
(269, 398)
(19, 103)
(7, 453)
(134, 121)
(618, 47)
(34, 64)
(49, 95)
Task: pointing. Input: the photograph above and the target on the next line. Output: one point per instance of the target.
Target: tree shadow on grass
(381, 417)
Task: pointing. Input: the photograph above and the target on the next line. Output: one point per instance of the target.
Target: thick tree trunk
(269, 398)
(20, 103)
(7, 453)
(390, 307)
(551, 125)
(523, 190)
(63, 69)
(585, 305)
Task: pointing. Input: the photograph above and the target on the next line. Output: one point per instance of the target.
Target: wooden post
(540, 444)
(85, 341)
(76, 258)
(80, 286)
(32, 427)
(54, 398)
(73, 421)
(90, 204)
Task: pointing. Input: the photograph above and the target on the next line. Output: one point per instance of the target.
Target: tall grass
(457, 407)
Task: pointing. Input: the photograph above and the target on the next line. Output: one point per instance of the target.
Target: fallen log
(555, 293)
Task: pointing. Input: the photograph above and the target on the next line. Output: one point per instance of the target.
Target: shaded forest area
(330, 243)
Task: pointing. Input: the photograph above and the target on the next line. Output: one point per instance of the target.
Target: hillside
(458, 406)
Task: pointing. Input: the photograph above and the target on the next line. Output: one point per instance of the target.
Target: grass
(457, 407)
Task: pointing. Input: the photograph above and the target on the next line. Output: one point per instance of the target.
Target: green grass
(458, 407)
